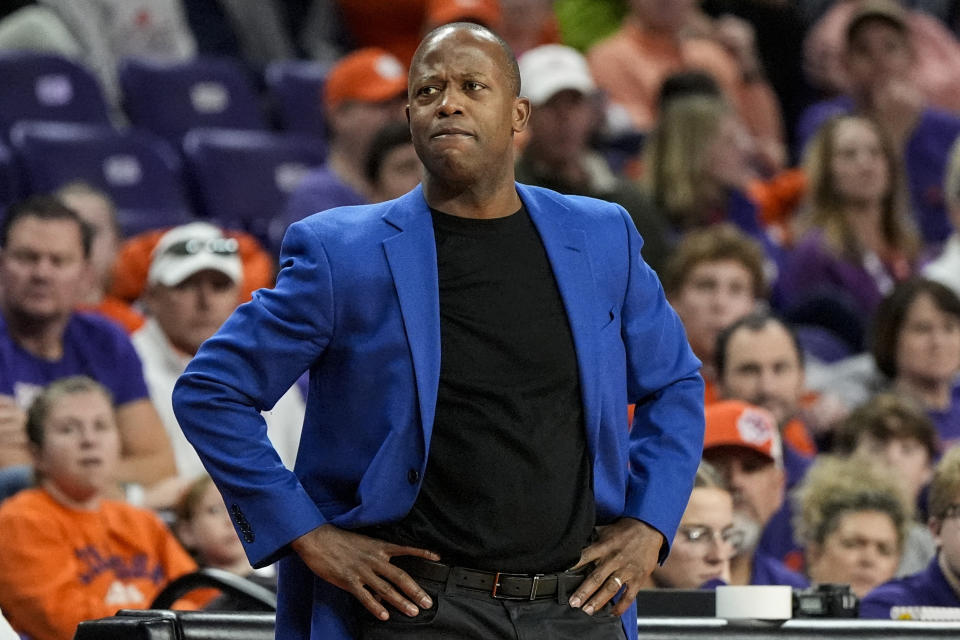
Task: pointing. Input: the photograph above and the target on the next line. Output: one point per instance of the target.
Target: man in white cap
(192, 286)
(557, 154)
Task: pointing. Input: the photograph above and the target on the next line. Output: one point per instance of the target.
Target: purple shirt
(321, 189)
(767, 570)
(927, 588)
(813, 270)
(778, 540)
(947, 421)
(92, 346)
(925, 158)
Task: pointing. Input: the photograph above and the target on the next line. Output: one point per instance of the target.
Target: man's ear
(521, 113)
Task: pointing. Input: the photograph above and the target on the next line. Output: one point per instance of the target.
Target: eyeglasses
(703, 535)
(218, 246)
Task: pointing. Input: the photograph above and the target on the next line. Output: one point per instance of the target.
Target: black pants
(464, 613)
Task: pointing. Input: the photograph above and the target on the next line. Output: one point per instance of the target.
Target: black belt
(499, 584)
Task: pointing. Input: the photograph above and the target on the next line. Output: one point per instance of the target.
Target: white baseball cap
(551, 68)
(191, 248)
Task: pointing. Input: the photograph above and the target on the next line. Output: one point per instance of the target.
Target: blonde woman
(856, 239)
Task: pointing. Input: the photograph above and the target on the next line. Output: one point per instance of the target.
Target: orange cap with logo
(734, 423)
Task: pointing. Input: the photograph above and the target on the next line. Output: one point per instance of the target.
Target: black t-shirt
(508, 483)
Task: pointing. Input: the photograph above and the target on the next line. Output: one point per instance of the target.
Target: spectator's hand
(13, 420)
(897, 104)
(626, 553)
(737, 36)
(361, 565)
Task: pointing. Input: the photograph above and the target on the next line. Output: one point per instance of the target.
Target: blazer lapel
(412, 256)
(566, 248)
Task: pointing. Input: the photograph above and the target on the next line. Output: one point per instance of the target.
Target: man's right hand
(361, 565)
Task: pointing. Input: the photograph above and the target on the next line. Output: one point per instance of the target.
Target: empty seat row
(166, 98)
(239, 179)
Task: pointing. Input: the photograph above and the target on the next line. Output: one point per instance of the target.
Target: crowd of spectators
(798, 196)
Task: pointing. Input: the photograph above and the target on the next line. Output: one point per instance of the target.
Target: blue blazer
(356, 303)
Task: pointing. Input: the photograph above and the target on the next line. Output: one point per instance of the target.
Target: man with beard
(759, 360)
(743, 443)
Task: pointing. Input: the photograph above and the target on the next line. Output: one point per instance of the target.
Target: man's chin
(750, 529)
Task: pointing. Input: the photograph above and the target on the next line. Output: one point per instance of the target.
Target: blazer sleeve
(254, 358)
(663, 381)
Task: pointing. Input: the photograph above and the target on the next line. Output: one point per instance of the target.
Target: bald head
(469, 30)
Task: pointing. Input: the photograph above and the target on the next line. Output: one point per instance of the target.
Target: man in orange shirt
(660, 37)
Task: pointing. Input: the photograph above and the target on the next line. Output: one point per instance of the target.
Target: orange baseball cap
(365, 75)
(485, 12)
(734, 423)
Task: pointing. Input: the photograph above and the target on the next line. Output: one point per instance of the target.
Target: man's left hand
(626, 553)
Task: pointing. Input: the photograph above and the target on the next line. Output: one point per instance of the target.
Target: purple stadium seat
(243, 178)
(9, 178)
(36, 86)
(296, 87)
(170, 98)
(141, 172)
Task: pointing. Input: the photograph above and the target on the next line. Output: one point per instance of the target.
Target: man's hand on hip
(361, 565)
(626, 553)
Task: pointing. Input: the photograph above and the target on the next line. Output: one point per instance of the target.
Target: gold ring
(618, 581)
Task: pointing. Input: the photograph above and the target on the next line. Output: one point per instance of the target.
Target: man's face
(763, 368)
(193, 310)
(713, 296)
(560, 128)
(358, 122)
(755, 481)
(946, 533)
(463, 111)
(399, 172)
(906, 457)
(878, 53)
(42, 269)
(98, 215)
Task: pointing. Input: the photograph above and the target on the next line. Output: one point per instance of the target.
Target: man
(469, 370)
(97, 210)
(44, 262)
(557, 154)
(714, 277)
(743, 443)
(759, 360)
(192, 287)
(659, 38)
(879, 61)
(363, 92)
(939, 584)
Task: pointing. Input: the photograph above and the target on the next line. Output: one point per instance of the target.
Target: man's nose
(450, 103)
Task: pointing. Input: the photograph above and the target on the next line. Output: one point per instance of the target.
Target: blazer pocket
(610, 318)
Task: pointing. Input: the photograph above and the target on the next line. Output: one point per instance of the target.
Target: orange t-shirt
(631, 65)
(60, 566)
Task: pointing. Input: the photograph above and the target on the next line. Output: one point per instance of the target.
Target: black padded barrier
(155, 624)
